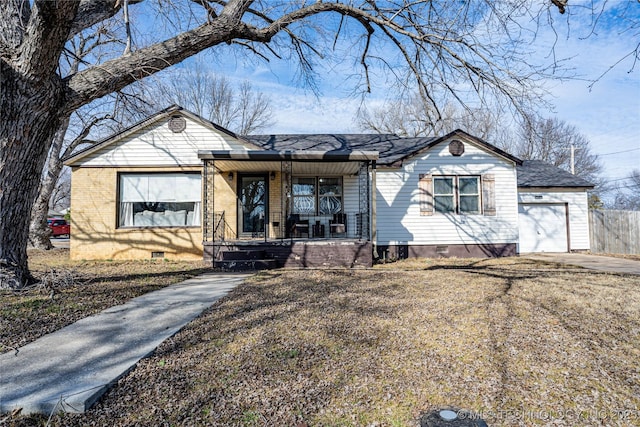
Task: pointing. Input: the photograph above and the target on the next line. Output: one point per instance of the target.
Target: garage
(543, 227)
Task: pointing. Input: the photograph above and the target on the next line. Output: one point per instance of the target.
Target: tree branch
(90, 12)
(45, 36)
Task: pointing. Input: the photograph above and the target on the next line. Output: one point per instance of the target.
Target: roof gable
(200, 134)
(465, 137)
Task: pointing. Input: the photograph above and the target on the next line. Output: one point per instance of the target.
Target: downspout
(374, 231)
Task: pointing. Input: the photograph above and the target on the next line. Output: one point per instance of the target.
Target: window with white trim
(159, 199)
(317, 195)
(456, 194)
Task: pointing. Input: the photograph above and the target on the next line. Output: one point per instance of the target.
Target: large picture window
(456, 194)
(159, 200)
(317, 195)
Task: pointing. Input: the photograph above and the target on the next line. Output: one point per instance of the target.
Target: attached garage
(553, 211)
(543, 227)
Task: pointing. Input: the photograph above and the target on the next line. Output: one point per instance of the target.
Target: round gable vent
(177, 124)
(456, 148)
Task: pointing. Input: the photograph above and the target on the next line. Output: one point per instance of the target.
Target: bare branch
(91, 12)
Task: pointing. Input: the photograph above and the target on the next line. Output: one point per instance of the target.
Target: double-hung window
(159, 199)
(329, 195)
(317, 195)
(456, 194)
(304, 195)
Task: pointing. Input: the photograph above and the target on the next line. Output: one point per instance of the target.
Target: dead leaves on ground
(520, 342)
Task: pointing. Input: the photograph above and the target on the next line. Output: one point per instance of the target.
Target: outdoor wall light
(272, 175)
(230, 176)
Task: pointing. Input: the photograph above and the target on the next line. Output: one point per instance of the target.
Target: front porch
(292, 209)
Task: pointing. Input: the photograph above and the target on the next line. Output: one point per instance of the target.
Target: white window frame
(456, 194)
(159, 199)
(317, 197)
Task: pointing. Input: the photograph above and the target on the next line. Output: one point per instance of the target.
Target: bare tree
(415, 118)
(553, 140)
(627, 192)
(39, 234)
(61, 194)
(440, 42)
(212, 96)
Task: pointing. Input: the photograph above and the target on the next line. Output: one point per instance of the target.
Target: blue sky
(607, 112)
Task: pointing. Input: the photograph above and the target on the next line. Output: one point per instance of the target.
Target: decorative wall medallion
(456, 148)
(177, 124)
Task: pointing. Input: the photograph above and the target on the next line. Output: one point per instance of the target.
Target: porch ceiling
(335, 162)
(297, 168)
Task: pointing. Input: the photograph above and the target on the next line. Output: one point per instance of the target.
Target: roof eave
(173, 109)
(556, 187)
(302, 156)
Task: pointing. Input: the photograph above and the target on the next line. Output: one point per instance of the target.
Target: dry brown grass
(519, 341)
(72, 290)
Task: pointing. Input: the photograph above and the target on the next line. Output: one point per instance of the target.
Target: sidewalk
(70, 369)
(593, 262)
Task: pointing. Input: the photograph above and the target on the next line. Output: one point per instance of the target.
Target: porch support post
(374, 231)
(208, 214)
(365, 198)
(285, 190)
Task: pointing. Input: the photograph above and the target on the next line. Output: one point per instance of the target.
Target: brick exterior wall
(297, 254)
(94, 232)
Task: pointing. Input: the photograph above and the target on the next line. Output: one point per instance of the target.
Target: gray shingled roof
(391, 147)
(532, 173)
(536, 173)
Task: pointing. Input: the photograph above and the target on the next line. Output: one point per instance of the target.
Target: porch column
(365, 198)
(374, 231)
(208, 205)
(286, 181)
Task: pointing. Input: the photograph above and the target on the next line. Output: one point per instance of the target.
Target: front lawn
(520, 342)
(70, 290)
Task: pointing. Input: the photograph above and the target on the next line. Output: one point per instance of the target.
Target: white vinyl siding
(578, 212)
(398, 201)
(351, 197)
(157, 145)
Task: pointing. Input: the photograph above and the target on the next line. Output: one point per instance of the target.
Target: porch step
(244, 260)
(243, 255)
(245, 265)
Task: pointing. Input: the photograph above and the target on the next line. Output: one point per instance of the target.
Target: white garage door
(543, 228)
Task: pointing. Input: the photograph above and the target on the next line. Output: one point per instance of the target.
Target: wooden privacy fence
(614, 232)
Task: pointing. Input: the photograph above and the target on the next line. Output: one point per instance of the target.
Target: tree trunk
(30, 110)
(39, 231)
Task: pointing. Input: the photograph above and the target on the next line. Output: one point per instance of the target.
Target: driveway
(592, 262)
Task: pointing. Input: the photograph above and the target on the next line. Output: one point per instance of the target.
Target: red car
(59, 227)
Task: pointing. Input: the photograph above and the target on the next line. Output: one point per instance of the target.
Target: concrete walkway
(592, 262)
(70, 369)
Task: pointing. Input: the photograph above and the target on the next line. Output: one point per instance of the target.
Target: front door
(252, 205)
